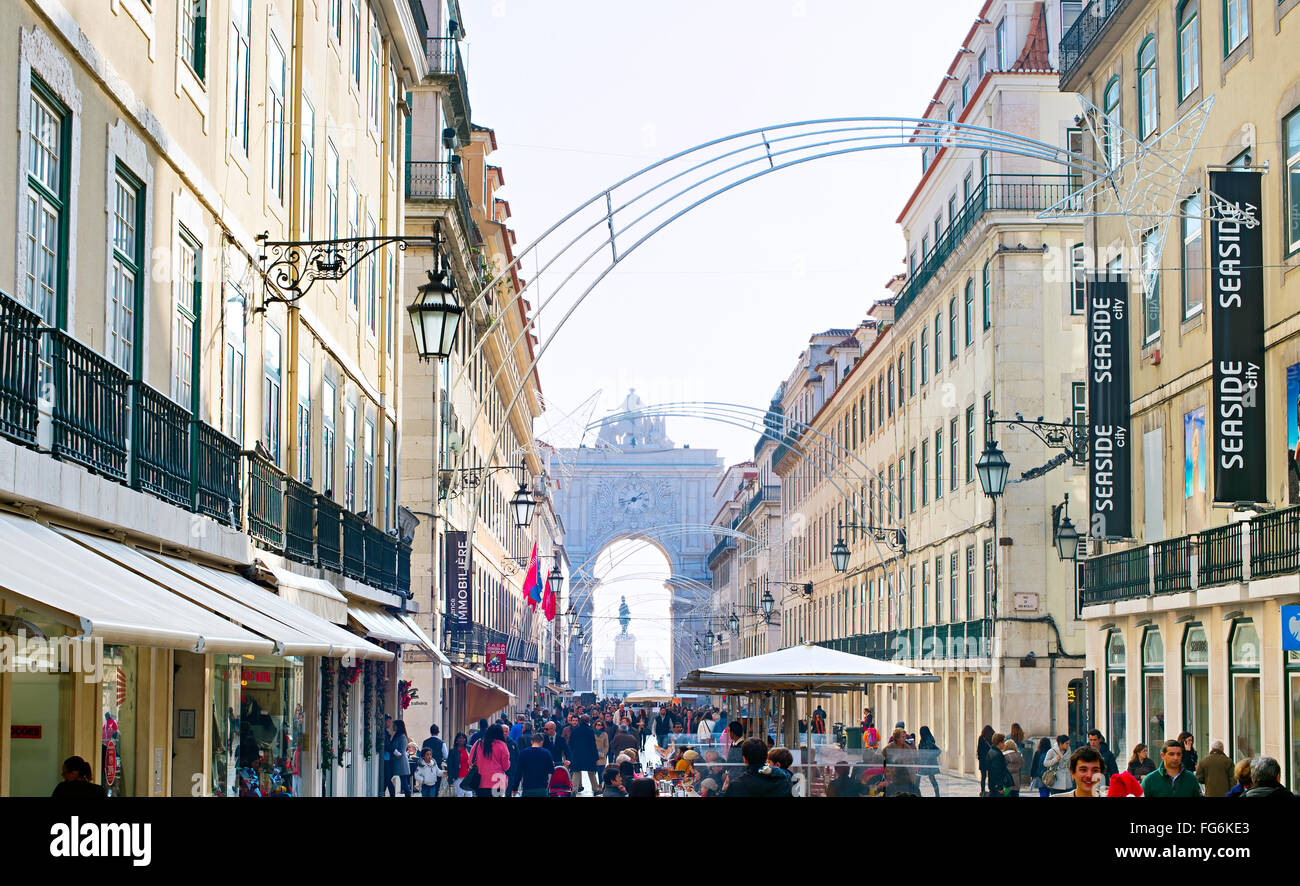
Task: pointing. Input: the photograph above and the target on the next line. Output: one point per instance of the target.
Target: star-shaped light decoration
(1146, 182)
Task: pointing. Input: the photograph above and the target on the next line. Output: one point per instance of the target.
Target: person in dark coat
(982, 756)
(1140, 764)
(399, 765)
(927, 753)
(663, 725)
(758, 780)
(1000, 783)
(582, 754)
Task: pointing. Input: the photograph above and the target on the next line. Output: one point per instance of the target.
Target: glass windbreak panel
(225, 725)
(1197, 703)
(40, 707)
(1154, 713)
(1245, 716)
(271, 725)
(117, 745)
(1117, 698)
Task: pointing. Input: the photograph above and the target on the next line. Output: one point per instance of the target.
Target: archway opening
(631, 622)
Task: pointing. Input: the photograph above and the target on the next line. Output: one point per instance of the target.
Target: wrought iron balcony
(19, 351)
(996, 193)
(216, 476)
(447, 67)
(354, 546)
(264, 492)
(441, 181)
(1275, 543)
(90, 409)
(299, 521)
(329, 533)
(160, 445)
(1090, 30)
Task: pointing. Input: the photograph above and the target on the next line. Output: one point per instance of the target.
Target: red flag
(531, 578)
(548, 601)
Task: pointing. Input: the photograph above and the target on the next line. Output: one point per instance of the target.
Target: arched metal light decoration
(840, 555)
(435, 317)
(993, 468)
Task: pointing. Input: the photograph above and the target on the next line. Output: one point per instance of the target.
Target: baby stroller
(561, 785)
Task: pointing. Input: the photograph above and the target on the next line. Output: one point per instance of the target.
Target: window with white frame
(1189, 48)
(1192, 266)
(328, 448)
(376, 78)
(390, 464)
(331, 190)
(336, 20)
(275, 121)
(233, 366)
(368, 471)
(194, 36)
(304, 419)
(1151, 291)
(307, 151)
(241, 29)
(1291, 145)
(272, 387)
(126, 295)
(372, 282)
(354, 225)
(350, 456)
(188, 297)
(1110, 132)
(1148, 103)
(356, 44)
(1078, 279)
(1003, 60)
(1236, 24)
(47, 199)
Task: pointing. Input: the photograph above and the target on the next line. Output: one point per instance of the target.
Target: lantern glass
(993, 468)
(435, 316)
(840, 555)
(767, 602)
(1067, 540)
(734, 623)
(522, 505)
(557, 579)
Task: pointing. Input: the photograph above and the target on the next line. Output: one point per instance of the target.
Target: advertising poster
(1110, 482)
(459, 589)
(1293, 434)
(1194, 452)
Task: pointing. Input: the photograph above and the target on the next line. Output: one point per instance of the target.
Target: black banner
(460, 583)
(1110, 484)
(1237, 324)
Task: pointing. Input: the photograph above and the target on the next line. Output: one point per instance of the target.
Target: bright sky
(720, 304)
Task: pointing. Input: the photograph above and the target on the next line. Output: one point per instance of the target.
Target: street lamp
(708, 640)
(697, 646)
(993, 468)
(767, 603)
(734, 623)
(522, 504)
(840, 555)
(435, 317)
(1067, 537)
(556, 578)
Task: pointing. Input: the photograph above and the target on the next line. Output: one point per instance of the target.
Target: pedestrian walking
(535, 768)
(736, 736)
(427, 774)
(1242, 774)
(754, 782)
(1037, 766)
(492, 757)
(704, 732)
(438, 747)
(1015, 762)
(1214, 770)
(1087, 769)
(1056, 768)
(996, 764)
(1140, 764)
(583, 756)
(1097, 742)
(1190, 756)
(928, 752)
(399, 764)
(1265, 775)
(602, 744)
(982, 757)
(77, 781)
(458, 763)
(1171, 780)
(663, 725)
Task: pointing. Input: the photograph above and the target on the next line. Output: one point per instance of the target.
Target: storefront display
(261, 728)
(117, 747)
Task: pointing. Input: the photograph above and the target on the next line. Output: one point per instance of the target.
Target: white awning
(482, 697)
(54, 574)
(371, 621)
(803, 667)
(288, 640)
(342, 643)
(313, 594)
(648, 695)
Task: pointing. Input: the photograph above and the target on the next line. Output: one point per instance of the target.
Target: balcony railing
(264, 492)
(441, 180)
(959, 640)
(1029, 193)
(1275, 543)
(329, 533)
(174, 456)
(354, 546)
(447, 66)
(19, 348)
(1125, 575)
(1093, 21)
(160, 445)
(90, 411)
(299, 521)
(728, 542)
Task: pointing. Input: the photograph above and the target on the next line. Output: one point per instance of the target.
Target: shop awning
(288, 640)
(313, 594)
(802, 668)
(372, 621)
(80, 588)
(341, 642)
(482, 697)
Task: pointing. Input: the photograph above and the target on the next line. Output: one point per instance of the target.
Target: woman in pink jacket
(492, 757)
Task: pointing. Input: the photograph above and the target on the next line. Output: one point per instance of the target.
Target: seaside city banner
(1109, 468)
(460, 607)
(1237, 327)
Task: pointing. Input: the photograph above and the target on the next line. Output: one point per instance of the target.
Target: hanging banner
(1237, 327)
(495, 654)
(1110, 483)
(459, 586)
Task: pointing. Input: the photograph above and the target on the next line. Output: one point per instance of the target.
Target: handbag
(472, 779)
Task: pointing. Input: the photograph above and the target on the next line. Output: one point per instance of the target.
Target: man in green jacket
(1171, 780)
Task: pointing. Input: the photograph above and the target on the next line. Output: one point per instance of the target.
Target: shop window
(1116, 691)
(1293, 720)
(272, 725)
(117, 745)
(1196, 685)
(39, 696)
(1243, 690)
(1153, 688)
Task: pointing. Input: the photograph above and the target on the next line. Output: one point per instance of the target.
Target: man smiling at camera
(1171, 780)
